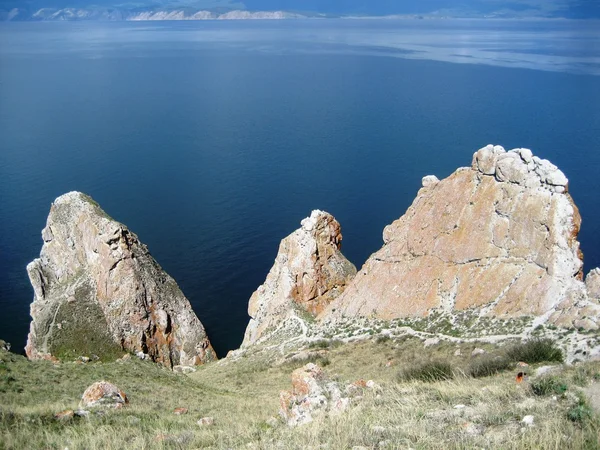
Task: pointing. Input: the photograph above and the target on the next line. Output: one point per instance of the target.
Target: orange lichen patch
(104, 394)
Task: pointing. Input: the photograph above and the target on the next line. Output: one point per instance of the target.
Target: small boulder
(206, 421)
(477, 352)
(528, 421)
(180, 411)
(104, 394)
(184, 369)
(64, 415)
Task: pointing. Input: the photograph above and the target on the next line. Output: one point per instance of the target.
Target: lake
(213, 140)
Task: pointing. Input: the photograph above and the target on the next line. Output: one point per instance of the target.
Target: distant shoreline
(124, 15)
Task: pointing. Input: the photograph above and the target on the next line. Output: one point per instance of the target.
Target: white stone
(429, 180)
(528, 420)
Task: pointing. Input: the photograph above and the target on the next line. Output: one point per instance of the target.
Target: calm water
(213, 140)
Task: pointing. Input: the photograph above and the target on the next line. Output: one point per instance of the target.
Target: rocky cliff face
(308, 274)
(499, 238)
(99, 291)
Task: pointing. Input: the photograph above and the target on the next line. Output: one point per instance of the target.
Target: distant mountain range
(290, 9)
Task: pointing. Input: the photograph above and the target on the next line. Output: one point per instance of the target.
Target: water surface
(212, 140)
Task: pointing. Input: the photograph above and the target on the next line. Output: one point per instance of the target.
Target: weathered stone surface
(592, 283)
(312, 393)
(4, 345)
(309, 272)
(103, 394)
(498, 237)
(99, 291)
(429, 180)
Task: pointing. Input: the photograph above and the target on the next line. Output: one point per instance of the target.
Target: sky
(546, 8)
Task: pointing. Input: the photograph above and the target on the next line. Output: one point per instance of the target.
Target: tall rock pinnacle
(308, 274)
(99, 291)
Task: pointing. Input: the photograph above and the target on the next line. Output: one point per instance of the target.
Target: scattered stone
(528, 420)
(125, 357)
(180, 411)
(457, 352)
(431, 342)
(104, 394)
(84, 359)
(472, 429)
(94, 278)
(184, 369)
(206, 421)
(82, 413)
(142, 355)
(64, 415)
(478, 351)
(459, 406)
(429, 180)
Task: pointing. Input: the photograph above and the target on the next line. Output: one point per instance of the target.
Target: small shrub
(581, 412)
(548, 385)
(535, 351)
(487, 365)
(428, 372)
(382, 338)
(321, 343)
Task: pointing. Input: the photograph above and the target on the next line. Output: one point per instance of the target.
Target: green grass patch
(535, 351)
(429, 371)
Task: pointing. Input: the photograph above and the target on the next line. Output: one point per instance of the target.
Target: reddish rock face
(499, 237)
(308, 274)
(99, 291)
(103, 394)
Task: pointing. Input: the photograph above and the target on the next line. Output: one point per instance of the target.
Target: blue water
(212, 140)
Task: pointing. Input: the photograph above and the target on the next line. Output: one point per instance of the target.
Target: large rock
(312, 393)
(103, 394)
(499, 237)
(99, 291)
(308, 274)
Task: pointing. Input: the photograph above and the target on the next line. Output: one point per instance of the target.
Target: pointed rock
(500, 236)
(308, 274)
(99, 291)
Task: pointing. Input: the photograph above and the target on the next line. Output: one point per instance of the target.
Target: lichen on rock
(99, 291)
(499, 237)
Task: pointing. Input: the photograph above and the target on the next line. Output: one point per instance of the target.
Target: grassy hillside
(242, 395)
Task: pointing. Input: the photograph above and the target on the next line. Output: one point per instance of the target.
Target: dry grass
(242, 396)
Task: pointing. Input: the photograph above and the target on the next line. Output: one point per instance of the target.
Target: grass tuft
(437, 370)
(535, 351)
(548, 385)
(488, 365)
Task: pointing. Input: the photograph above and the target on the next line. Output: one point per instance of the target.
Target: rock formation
(103, 394)
(99, 291)
(312, 393)
(499, 237)
(308, 274)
